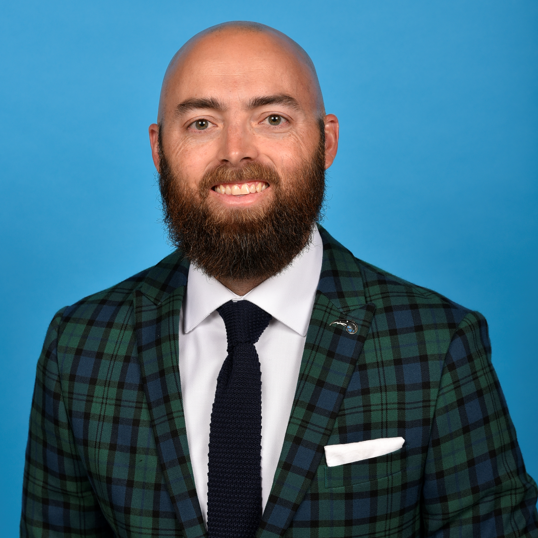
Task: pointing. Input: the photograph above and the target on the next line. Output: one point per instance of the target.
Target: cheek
(293, 153)
(191, 160)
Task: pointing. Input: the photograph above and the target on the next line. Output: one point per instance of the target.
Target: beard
(244, 243)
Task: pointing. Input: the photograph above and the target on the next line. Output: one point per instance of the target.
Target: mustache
(252, 171)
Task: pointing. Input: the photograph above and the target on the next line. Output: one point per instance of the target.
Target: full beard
(244, 243)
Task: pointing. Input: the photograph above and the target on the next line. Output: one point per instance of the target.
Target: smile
(240, 189)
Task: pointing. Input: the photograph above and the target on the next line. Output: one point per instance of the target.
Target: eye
(275, 119)
(200, 125)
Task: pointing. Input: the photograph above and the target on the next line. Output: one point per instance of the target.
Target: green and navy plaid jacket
(108, 454)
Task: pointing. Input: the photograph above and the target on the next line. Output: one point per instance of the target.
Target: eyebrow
(256, 102)
(278, 99)
(194, 103)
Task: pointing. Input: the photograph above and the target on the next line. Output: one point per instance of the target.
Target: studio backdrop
(436, 179)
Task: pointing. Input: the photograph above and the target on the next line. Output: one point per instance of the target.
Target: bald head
(241, 93)
(241, 41)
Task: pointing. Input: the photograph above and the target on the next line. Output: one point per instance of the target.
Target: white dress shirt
(289, 298)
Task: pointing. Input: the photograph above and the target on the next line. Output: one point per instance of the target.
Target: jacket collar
(168, 277)
(340, 279)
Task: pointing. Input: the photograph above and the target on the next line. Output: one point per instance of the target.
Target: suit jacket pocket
(379, 468)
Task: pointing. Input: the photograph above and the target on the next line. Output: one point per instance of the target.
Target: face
(240, 137)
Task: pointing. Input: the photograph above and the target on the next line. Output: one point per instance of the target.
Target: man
(378, 412)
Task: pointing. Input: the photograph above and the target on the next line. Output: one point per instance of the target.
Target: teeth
(238, 189)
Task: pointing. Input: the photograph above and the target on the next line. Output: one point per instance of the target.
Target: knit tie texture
(234, 499)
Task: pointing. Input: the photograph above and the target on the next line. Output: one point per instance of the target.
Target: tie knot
(244, 321)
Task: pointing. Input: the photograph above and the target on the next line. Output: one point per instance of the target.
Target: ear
(332, 128)
(154, 141)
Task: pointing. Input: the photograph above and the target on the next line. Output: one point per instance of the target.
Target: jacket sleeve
(475, 478)
(58, 500)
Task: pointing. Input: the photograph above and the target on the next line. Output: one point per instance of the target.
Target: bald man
(378, 412)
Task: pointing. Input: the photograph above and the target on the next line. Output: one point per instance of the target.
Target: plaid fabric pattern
(107, 451)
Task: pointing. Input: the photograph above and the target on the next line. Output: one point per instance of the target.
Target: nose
(237, 145)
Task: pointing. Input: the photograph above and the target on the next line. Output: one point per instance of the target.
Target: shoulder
(117, 300)
(400, 305)
(404, 307)
(382, 286)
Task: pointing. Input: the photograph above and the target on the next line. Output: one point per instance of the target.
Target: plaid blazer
(108, 454)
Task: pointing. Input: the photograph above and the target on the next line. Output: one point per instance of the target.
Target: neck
(241, 287)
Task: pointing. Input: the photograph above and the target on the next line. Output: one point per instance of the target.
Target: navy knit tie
(234, 498)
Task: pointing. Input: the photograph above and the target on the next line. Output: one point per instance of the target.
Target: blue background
(435, 181)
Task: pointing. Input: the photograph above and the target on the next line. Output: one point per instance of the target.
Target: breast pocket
(379, 469)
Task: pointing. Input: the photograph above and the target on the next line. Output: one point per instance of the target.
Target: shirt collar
(288, 296)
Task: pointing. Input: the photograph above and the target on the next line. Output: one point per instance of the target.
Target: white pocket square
(363, 450)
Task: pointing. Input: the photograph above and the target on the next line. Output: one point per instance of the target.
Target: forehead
(238, 66)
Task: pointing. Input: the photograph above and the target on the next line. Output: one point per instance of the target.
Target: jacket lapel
(158, 304)
(329, 359)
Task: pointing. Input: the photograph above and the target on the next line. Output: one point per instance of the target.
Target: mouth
(241, 189)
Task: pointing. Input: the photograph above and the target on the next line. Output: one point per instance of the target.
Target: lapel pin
(350, 326)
